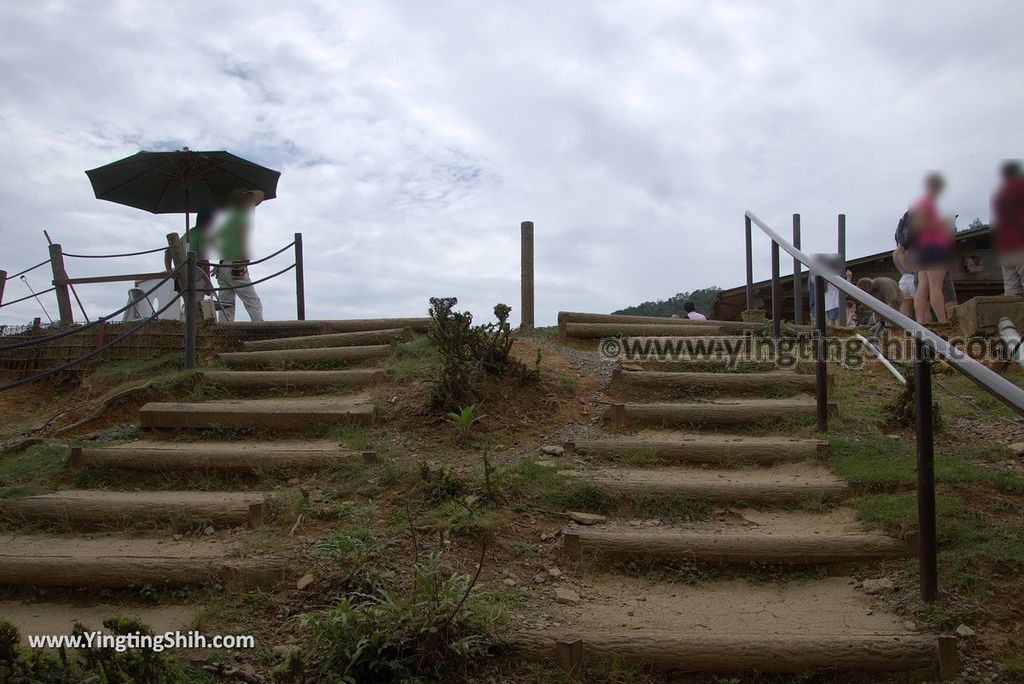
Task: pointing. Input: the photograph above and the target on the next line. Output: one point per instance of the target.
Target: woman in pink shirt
(932, 242)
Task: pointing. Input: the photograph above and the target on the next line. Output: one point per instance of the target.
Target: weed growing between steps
(95, 665)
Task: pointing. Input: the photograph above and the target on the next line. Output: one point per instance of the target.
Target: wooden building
(974, 267)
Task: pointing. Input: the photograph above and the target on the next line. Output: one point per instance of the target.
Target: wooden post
(798, 278)
(526, 277)
(3, 281)
(841, 234)
(820, 367)
(190, 310)
(750, 265)
(101, 333)
(927, 538)
(60, 282)
(300, 283)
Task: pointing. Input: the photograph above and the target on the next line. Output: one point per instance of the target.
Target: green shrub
(440, 626)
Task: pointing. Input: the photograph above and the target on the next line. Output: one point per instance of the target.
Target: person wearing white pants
(233, 270)
(236, 274)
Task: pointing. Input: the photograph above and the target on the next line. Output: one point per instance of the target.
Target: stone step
(122, 563)
(220, 456)
(292, 379)
(710, 448)
(729, 546)
(87, 507)
(791, 482)
(719, 412)
(731, 383)
(284, 414)
(347, 339)
(296, 357)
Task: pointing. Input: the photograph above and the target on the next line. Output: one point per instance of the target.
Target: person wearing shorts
(933, 242)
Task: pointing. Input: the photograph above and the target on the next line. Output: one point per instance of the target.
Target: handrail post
(300, 283)
(3, 282)
(798, 278)
(750, 265)
(841, 236)
(526, 274)
(776, 294)
(60, 282)
(190, 310)
(820, 367)
(926, 531)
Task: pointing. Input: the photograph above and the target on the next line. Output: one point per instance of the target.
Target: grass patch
(32, 470)
(416, 360)
(876, 462)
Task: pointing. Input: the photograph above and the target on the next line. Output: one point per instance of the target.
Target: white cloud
(414, 137)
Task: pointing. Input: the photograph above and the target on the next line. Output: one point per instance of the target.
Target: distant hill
(674, 305)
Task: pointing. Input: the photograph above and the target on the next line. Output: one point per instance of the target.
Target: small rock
(547, 464)
(567, 596)
(503, 572)
(509, 582)
(587, 518)
(538, 579)
(177, 537)
(285, 650)
(964, 631)
(555, 572)
(471, 499)
(304, 581)
(552, 450)
(208, 531)
(877, 586)
(1017, 448)
(293, 482)
(910, 626)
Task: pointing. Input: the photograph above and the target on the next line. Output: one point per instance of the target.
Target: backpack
(904, 234)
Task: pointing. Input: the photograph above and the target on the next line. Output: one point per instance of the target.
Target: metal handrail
(1004, 390)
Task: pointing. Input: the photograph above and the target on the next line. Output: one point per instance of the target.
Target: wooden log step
(565, 317)
(711, 448)
(345, 339)
(93, 507)
(221, 456)
(722, 412)
(292, 357)
(776, 485)
(317, 327)
(744, 383)
(119, 563)
(600, 330)
(288, 413)
(292, 379)
(921, 655)
(730, 546)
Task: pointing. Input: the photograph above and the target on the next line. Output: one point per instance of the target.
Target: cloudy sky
(413, 137)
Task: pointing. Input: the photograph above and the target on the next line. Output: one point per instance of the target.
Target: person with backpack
(931, 242)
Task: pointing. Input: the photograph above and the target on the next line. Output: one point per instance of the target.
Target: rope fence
(27, 270)
(98, 321)
(42, 352)
(93, 354)
(34, 294)
(114, 256)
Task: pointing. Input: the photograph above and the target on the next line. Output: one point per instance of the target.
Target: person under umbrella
(233, 269)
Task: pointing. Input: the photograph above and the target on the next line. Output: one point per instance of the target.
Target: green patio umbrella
(180, 182)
